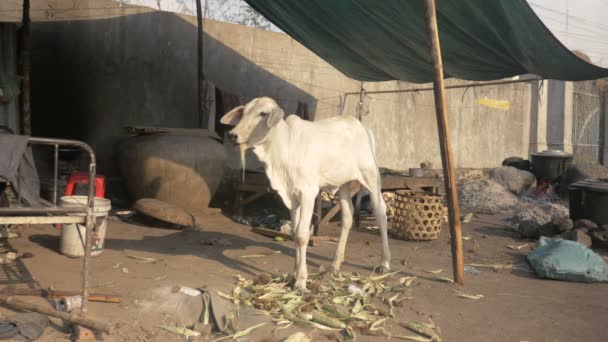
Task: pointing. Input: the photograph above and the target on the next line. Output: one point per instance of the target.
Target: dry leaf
(469, 296)
(467, 218)
(142, 259)
(443, 279)
(517, 247)
(435, 271)
(187, 333)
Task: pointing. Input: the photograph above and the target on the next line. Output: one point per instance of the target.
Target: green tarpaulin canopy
(380, 40)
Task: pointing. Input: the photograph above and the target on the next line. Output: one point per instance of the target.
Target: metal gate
(586, 122)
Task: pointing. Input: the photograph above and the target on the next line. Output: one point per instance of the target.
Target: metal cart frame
(51, 214)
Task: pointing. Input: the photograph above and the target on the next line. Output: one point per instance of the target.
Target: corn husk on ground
(349, 302)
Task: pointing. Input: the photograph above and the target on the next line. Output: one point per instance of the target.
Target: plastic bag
(567, 260)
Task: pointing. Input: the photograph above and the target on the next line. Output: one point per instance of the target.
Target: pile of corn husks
(347, 302)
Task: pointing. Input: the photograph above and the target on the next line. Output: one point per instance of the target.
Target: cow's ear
(233, 117)
(275, 116)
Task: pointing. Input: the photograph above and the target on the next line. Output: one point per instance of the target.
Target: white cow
(302, 157)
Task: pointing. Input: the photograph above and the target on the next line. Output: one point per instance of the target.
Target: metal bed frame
(51, 214)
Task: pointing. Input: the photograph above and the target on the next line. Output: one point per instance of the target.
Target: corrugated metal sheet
(9, 82)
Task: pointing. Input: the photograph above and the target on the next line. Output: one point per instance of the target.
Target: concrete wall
(90, 78)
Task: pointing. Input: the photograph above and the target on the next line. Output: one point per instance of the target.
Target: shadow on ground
(191, 242)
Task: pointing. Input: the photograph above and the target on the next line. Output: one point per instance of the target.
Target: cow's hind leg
(372, 182)
(346, 206)
(295, 218)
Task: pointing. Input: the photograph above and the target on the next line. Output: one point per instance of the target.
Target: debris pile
(348, 302)
(486, 196)
(271, 221)
(540, 214)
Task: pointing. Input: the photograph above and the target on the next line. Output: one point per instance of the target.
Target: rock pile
(582, 231)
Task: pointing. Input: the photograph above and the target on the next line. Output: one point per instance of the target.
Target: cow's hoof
(300, 284)
(384, 269)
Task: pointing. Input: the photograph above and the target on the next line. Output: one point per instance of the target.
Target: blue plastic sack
(567, 260)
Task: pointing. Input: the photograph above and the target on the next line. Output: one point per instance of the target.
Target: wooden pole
(85, 322)
(203, 111)
(445, 144)
(24, 70)
(603, 150)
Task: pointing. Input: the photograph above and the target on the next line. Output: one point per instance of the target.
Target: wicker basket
(418, 216)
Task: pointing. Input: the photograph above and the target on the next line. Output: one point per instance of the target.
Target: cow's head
(253, 121)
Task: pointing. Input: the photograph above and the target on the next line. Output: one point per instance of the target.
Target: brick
(577, 235)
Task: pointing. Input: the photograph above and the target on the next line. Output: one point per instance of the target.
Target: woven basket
(418, 216)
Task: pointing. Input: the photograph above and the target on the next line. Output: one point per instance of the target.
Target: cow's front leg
(302, 234)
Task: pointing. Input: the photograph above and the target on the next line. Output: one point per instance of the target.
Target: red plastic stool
(83, 178)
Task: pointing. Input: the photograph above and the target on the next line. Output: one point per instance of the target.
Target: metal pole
(200, 79)
(55, 174)
(24, 66)
(445, 144)
(90, 225)
(457, 86)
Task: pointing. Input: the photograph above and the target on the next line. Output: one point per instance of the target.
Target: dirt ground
(517, 305)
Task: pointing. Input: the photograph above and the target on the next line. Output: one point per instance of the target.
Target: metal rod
(472, 85)
(41, 211)
(55, 219)
(445, 144)
(90, 224)
(55, 173)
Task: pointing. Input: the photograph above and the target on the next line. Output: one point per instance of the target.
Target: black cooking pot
(550, 164)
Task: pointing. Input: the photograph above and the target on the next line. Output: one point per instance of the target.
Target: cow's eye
(263, 114)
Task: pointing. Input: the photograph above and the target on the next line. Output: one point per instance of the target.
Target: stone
(515, 180)
(548, 229)
(600, 238)
(577, 235)
(511, 160)
(563, 225)
(528, 229)
(518, 162)
(584, 223)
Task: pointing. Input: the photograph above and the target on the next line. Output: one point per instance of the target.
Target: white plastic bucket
(73, 235)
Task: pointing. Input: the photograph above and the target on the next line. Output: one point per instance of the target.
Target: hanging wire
(359, 109)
